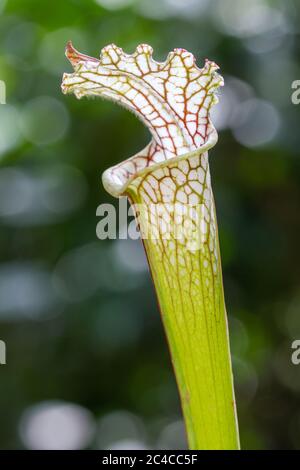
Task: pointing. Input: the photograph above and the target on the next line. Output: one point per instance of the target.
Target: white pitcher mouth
(113, 177)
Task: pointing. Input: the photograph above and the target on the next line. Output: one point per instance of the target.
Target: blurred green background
(87, 362)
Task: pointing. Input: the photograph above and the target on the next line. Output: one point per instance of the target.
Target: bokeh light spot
(56, 425)
(44, 120)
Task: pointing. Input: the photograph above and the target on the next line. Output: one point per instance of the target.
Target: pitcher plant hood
(173, 99)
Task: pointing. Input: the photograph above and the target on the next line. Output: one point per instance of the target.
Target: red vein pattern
(179, 209)
(172, 98)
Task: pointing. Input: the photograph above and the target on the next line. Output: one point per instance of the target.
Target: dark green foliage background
(103, 347)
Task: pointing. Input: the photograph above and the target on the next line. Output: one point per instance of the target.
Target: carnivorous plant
(169, 185)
